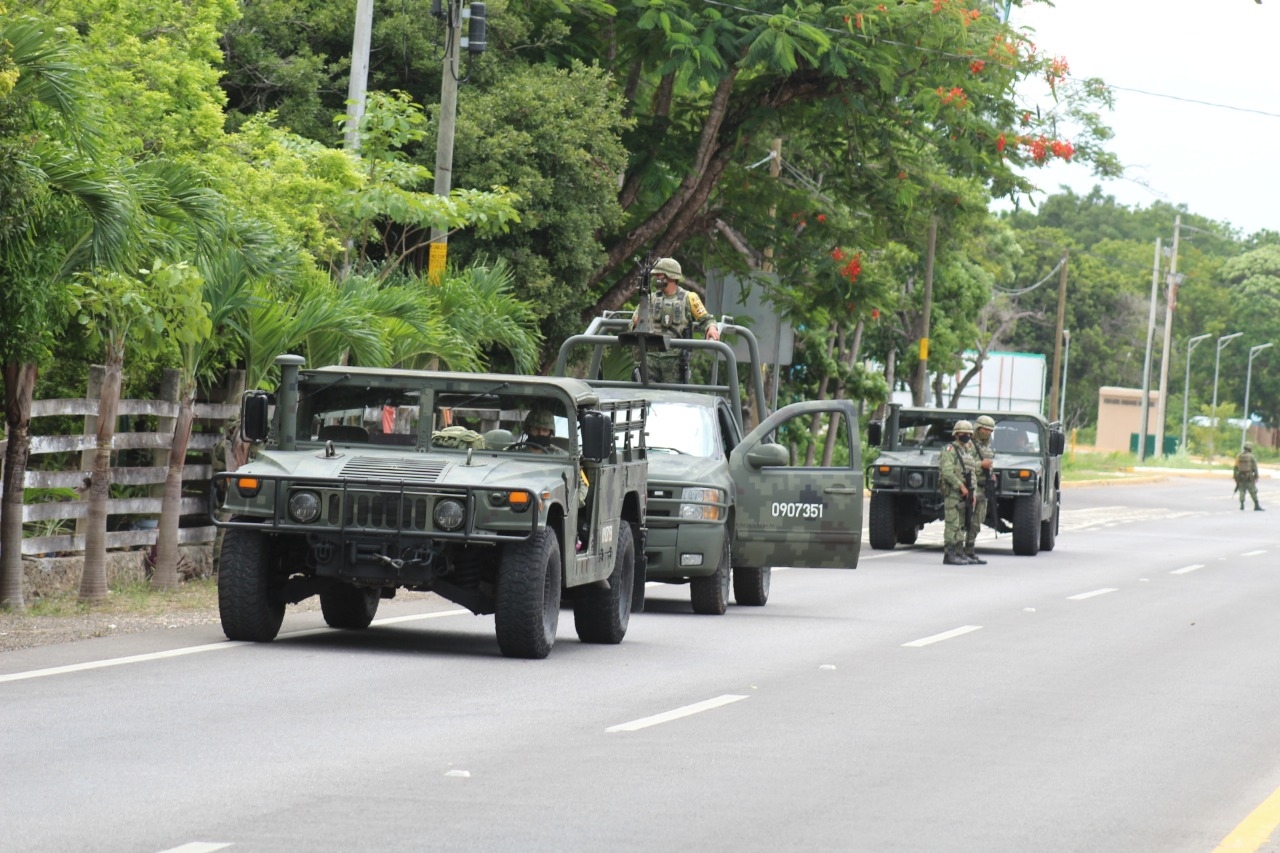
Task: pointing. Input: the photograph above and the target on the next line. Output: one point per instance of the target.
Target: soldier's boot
(972, 557)
(1242, 506)
(1257, 508)
(951, 558)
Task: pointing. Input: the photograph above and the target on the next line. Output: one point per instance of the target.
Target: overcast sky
(1221, 163)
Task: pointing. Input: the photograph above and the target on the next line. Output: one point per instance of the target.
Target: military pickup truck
(904, 476)
(365, 481)
(726, 504)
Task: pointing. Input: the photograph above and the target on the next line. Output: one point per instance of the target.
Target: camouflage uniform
(955, 460)
(1246, 476)
(543, 419)
(983, 450)
(676, 315)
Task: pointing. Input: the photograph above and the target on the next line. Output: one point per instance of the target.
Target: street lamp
(1217, 361)
(1066, 358)
(1186, 386)
(1248, 376)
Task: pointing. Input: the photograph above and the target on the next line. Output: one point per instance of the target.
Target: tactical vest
(672, 312)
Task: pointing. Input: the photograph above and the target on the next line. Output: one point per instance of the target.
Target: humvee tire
(347, 606)
(527, 609)
(882, 525)
(710, 595)
(1026, 525)
(1049, 526)
(751, 586)
(601, 615)
(245, 604)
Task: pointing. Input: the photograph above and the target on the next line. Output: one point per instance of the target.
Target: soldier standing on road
(675, 311)
(956, 460)
(983, 429)
(1246, 476)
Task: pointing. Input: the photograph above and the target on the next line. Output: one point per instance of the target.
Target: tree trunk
(816, 421)
(165, 575)
(19, 386)
(93, 582)
(829, 446)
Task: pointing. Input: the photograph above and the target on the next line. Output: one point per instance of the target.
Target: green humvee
(365, 481)
(904, 476)
(726, 504)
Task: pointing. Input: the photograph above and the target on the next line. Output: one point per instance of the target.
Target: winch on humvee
(727, 504)
(904, 476)
(369, 480)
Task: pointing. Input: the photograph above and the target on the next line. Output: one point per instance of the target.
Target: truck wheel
(527, 610)
(882, 524)
(751, 586)
(908, 531)
(1049, 527)
(246, 605)
(347, 606)
(1026, 525)
(601, 615)
(710, 595)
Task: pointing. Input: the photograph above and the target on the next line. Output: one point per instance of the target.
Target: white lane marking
(882, 555)
(937, 638)
(677, 713)
(1185, 569)
(1253, 553)
(198, 847)
(195, 650)
(1082, 596)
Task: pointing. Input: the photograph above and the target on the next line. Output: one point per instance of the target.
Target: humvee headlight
(304, 507)
(248, 486)
(449, 514)
(915, 479)
(704, 511)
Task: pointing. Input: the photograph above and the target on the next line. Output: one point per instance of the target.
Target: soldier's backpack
(457, 436)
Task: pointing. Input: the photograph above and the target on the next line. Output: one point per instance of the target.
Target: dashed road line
(1185, 569)
(938, 638)
(1253, 553)
(195, 650)
(677, 713)
(1082, 596)
(198, 847)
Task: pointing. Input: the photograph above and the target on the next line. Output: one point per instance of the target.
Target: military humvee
(366, 481)
(726, 504)
(904, 476)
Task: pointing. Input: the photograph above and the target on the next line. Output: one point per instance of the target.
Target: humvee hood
(413, 469)
(681, 466)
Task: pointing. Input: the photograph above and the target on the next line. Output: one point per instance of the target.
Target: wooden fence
(57, 515)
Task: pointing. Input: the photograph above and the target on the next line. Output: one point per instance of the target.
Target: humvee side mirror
(254, 421)
(768, 456)
(1057, 442)
(875, 431)
(597, 436)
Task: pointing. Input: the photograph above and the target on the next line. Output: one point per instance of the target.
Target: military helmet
(540, 419)
(986, 422)
(669, 267)
(962, 426)
(1248, 446)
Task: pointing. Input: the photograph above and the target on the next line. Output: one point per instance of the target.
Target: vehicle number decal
(606, 534)
(795, 509)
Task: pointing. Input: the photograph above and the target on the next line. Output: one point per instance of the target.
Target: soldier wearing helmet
(539, 427)
(675, 311)
(1245, 473)
(957, 463)
(984, 426)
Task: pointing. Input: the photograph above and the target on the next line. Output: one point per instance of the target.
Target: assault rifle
(968, 501)
(645, 337)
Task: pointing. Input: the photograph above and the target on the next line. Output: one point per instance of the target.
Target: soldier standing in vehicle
(984, 478)
(957, 463)
(1246, 476)
(675, 311)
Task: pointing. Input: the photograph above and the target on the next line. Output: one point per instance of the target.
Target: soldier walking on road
(956, 465)
(985, 426)
(1246, 476)
(675, 311)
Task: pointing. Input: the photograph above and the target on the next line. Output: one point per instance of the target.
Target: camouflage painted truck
(365, 481)
(725, 503)
(903, 477)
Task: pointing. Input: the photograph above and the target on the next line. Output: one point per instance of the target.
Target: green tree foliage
(1254, 281)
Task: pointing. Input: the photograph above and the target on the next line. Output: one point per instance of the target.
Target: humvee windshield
(353, 413)
(1013, 434)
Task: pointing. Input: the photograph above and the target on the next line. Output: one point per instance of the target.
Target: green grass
(1093, 465)
(134, 597)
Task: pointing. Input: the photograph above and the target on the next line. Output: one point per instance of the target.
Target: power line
(1191, 100)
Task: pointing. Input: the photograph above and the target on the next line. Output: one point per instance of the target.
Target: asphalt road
(1118, 694)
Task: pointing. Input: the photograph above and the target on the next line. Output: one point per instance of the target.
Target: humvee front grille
(412, 471)
(378, 511)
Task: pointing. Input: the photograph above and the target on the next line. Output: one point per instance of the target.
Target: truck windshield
(682, 428)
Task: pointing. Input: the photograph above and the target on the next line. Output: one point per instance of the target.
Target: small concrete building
(1120, 416)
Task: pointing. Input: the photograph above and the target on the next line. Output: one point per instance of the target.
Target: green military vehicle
(365, 481)
(904, 476)
(725, 504)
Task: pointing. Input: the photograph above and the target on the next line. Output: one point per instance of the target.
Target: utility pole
(359, 81)
(1170, 302)
(1057, 338)
(1146, 362)
(922, 372)
(438, 250)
